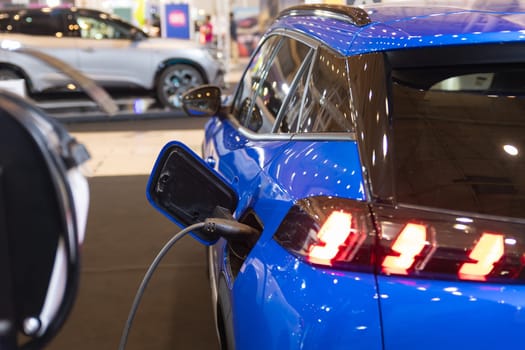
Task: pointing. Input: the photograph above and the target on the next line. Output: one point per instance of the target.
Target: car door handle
(211, 161)
(88, 49)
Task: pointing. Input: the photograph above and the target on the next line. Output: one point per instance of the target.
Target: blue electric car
(376, 159)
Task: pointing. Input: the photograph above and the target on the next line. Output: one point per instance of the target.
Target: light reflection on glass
(460, 227)
(511, 150)
(510, 241)
(385, 145)
(465, 220)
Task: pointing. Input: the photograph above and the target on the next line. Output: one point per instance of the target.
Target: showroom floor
(124, 234)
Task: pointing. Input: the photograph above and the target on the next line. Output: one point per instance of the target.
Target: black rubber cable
(147, 277)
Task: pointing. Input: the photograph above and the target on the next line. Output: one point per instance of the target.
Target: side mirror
(187, 191)
(203, 101)
(43, 210)
(137, 35)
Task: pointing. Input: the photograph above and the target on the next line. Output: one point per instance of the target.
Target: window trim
(306, 68)
(263, 76)
(274, 136)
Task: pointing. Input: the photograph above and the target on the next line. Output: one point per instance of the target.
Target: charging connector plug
(229, 229)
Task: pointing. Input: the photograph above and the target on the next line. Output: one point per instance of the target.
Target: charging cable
(147, 277)
(226, 228)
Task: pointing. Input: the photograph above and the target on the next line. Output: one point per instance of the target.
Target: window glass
(243, 105)
(326, 106)
(42, 23)
(267, 83)
(97, 28)
(278, 81)
(290, 119)
(459, 137)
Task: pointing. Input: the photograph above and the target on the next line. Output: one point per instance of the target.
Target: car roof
(46, 9)
(403, 25)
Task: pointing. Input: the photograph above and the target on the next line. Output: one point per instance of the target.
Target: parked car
(107, 49)
(378, 153)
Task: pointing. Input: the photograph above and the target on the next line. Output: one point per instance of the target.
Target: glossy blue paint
(311, 168)
(240, 160)
(298, 170)
(451, 314)
(268, 181)
(282, 303)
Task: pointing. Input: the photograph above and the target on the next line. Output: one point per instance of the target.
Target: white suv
(107, 49)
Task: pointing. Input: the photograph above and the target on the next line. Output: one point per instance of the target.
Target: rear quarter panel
(278, 301)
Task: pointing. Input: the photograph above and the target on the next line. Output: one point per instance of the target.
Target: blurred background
(182, 19)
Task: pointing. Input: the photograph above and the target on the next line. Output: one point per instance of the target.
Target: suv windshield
(459, 131)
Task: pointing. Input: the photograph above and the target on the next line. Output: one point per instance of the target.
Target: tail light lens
(340, 233)
(449, 246)
(329, 231)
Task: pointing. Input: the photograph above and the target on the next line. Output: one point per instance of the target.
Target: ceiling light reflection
(511, 150)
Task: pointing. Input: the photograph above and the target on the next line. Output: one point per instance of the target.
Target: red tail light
(487, 252)
(340, 233)
(332, 236)
(408, 244)
(429, 244)
(329, 231)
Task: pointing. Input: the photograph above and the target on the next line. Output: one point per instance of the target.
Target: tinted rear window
(459, 135)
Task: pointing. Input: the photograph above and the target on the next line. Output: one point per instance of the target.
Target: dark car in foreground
(112, 52)
(378, 154)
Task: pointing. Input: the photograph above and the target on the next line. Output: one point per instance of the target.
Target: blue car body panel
(450, 314)
(282, 303)
(268, 280)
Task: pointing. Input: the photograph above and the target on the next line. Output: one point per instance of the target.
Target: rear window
(459, 132)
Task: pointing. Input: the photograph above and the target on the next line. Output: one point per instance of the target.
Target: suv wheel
(9, 74)
(174, 81)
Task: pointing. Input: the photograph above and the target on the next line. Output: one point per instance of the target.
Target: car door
(108, 52)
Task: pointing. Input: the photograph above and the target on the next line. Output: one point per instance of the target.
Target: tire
(174, 81)
(9, 74)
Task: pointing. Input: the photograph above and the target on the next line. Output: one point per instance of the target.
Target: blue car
(367, 181)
